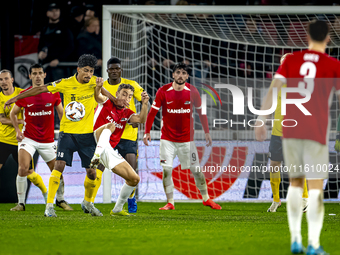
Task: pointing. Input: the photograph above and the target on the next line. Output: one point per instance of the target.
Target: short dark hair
(180, 66)
(318, 30)
(125, 86)
(113, 60)
(37, 65)
(6, 71)
(87, 60)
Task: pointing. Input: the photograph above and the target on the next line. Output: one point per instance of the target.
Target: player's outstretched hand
(20, 136)
(121, 102)
(337, 143)
(145, 97)
(99, 82)
(208, 139)
(260, 131)
(147, 139)
(9, 102)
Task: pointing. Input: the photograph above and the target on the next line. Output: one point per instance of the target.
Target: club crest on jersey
(187, 102)
(48, 104)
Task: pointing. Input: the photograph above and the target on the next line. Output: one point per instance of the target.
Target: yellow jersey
(129, 133)
(81, 92)
(277, 127)
(7, 132)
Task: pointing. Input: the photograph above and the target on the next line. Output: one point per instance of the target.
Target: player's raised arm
(116, 101)
(27, 93)
(141, 117)
(151, 116)
(260, 126)
(203, 118)
(15, 122)
(98, 96)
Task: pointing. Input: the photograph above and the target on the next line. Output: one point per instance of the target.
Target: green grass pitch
(239, 228)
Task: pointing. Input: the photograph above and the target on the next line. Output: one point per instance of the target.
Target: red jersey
(39, 116)
(109, 113)
(177, 113)
(316, 72)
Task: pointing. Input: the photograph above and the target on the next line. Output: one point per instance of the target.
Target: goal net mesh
(242, 50)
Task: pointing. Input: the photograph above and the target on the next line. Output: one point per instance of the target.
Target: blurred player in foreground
(178, 100)
(37, 135)
(110, 121)
(276, 156)
(127, 146)
(305, 146)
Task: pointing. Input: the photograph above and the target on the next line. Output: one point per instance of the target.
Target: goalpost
(238, 45)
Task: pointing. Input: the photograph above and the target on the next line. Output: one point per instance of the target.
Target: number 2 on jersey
(308, 70)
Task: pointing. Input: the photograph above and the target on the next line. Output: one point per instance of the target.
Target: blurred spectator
(90, 12)
(76, 20)
(89, 41)
(55, 45)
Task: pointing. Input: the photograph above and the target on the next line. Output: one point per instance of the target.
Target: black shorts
(6, 150)
(84, 144)
(275, 148)
(126, 147)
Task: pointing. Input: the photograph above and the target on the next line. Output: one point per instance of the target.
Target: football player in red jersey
(305, 143)
(178, 100)
(37, 135)
(110, 121)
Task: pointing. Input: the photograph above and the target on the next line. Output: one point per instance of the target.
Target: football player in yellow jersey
(127, 147)
(276, 157)
(74, 136)
(8, 140)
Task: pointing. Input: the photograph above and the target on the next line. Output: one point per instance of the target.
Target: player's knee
(91, 173)
(59, 165)
(134, 181)
(23, 170)
(111, 127)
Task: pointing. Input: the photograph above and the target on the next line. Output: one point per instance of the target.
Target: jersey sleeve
(21, 102)
(282, 72)
(196, 98)
(57, 99)
(56, 86)
(138, 91)
(129, 114)
(157, 103)
(337, 79)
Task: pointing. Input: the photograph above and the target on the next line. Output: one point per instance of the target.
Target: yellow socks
(53, 185)
(98, 183)
(90, 186)
(133, 193)
(305, 190)
(36, 179)
(275, 180)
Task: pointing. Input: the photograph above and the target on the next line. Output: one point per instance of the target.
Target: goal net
(239, 46)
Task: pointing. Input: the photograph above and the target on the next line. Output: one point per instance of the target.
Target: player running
(73, 136)
(110, 121)
(306, 144)
(127, 146)
(37, 135)
(276, 157)
(177, 100)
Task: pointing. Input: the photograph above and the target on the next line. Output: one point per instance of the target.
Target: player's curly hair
(180, 66)
(125, 86)
(87, 60)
